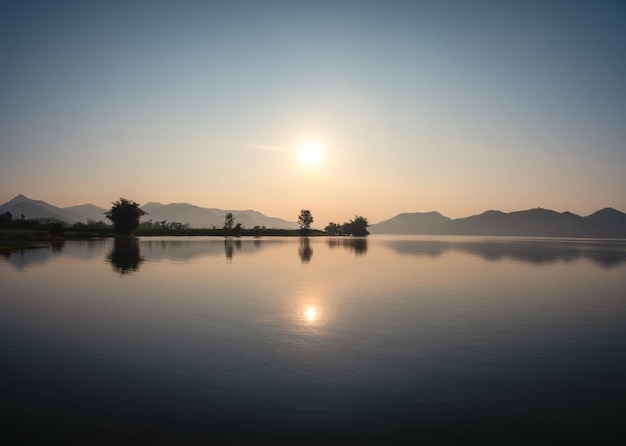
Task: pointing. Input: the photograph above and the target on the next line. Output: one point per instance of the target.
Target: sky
(413, 106)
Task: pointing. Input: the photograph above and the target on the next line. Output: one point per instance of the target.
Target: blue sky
(455, 106)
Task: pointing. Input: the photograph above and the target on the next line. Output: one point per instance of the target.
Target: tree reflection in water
(230, 246)
(57, 246)
(356, 244)
(305, 251)
(125, 257)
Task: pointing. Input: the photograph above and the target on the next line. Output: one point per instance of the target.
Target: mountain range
(537, 222)
(194, 216)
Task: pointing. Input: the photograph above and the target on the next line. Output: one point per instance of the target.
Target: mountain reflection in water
(605, 253)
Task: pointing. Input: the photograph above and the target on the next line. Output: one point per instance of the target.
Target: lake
(383, 340)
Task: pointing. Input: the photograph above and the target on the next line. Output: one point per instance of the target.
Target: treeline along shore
(125, 217)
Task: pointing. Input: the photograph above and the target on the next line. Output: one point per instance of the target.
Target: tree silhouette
(229, 221)
(305, 219)
(125, 216)
(359, 226)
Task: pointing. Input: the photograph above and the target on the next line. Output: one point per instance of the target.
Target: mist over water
(322, 340)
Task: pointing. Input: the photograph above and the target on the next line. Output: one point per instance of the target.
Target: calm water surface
(315, 341)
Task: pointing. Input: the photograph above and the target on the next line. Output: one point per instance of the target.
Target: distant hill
(199, 217)
(88, 212)
(609, 220)
(195, 216)
(533, 222)
(37, 209)
(411, 223)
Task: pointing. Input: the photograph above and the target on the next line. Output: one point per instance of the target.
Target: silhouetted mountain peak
(87, 212)
(22, 199)
(489, 213)
(535, 211)
(434, 215)
(37, 209)
(411, 223)
(608, 212)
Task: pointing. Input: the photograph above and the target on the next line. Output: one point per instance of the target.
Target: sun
(310, 153)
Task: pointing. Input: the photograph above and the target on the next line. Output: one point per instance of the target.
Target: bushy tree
(305, 219)
(359, 226)
(125, 216)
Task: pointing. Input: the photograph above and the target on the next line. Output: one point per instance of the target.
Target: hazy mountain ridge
(195, 216)
(87, 212)
(411, 223)
(199, 217)
(537, 222)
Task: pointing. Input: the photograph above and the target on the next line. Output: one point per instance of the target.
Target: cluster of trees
(163, 224)
(8, 222)
(356, 227)
(91, 224)
(54, 227)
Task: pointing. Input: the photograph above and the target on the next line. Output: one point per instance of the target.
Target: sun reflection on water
(311, 313)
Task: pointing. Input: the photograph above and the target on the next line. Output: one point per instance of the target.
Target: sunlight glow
(310, 153)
